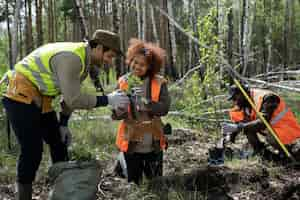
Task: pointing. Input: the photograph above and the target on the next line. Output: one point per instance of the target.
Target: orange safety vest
(282, 120)
(121, 141)
(236, 115)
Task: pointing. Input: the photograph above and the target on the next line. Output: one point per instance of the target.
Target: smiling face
(139, 65)
(98, 56)
(108, 56)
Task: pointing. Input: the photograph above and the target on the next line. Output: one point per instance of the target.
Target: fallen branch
(276, 85)
(292, 72)
(196, 118)
(179, 82)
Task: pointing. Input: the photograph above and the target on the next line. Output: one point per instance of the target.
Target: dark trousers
(150, 164)
(31, 128)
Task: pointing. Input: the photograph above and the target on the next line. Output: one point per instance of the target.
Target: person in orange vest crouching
(275, 111)
(140, 137)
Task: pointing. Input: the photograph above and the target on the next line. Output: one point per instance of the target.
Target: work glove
(140, 102)
(65, 135)
(228, 128)
(118, 99)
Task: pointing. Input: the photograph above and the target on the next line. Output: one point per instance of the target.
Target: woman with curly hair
(140, 136)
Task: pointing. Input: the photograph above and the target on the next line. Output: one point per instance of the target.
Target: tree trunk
(38, 19)
(190, 54)
(269, 37)
(116, 23)
(195, 30)
(55, 21)
(139, 19)
(144, 20)
(172, 36)
(94, 23)
(155, 33)
(102, 13)
(122, 35)
(230, 37)
(164, 33)
(286, 35)
(65, 28)
(15, 32)
(9, 36)
(20, 44)
(292, 35)
(251, 23)
(244, 33)
(50, 22)
(83, 25)
(29, 37)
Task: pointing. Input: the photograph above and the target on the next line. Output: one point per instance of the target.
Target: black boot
(24, 191)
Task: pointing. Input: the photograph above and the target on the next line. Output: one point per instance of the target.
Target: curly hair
(155, 56)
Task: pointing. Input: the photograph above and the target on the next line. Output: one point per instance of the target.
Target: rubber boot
(24, 191)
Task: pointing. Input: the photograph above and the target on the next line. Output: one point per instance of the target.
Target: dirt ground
(187, 176)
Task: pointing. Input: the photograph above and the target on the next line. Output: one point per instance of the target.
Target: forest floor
(187, 176)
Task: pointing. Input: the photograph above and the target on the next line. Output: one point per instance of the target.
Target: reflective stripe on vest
(279, 116)
(36, 66)
(282, 120)
(121, 143)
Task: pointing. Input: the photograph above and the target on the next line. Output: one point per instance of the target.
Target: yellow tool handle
(237, 83)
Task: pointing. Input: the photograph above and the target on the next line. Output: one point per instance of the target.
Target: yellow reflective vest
(36, 66)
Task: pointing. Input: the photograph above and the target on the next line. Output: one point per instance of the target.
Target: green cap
(107, 39)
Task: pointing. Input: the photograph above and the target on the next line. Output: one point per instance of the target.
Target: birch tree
(172, 35)
(286, 35)
(190, 50)
(29, 37)
(122, 34)
(8, 34)
(144, 20)
(116, 25)
(50, 21)
(20, 44)
(83, 25)
(139, 18)
(39, 21)
(195, 29)
(154, 27)
(230, 37)
(15, 32)
(243, 36)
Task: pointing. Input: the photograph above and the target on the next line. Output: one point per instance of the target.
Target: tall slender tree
(39, 20)
(154, 27)
(83, 24)
(172, 36)
(139, 18)
(15, 32)
(286, 29)
(29, 38)
(144, 20)
(8, 34)
(50, 21)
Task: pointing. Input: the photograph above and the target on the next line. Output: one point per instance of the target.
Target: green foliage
(134, 81)
(199, 88)
(68, 8)
(80, 153)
